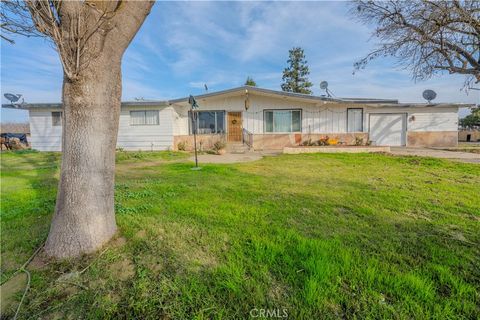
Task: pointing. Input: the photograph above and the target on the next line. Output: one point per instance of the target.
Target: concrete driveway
(437, 153)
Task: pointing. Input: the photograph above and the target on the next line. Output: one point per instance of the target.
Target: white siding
(44, 136)
(317, 117)
(323, 118)
(146, 137)
(434, 120)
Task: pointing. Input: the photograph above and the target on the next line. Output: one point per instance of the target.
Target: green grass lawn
(321, 236)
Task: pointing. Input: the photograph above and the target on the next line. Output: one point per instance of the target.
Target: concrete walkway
(400, 151)
(436, 153)
(233, 157)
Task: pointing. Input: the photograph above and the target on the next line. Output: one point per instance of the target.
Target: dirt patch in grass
(189, 244)
(39, 262)
(9, 291)
(118, 242)
(123, 269)
(154, 263)
(142, 234)
(8, 262)
(278, 291)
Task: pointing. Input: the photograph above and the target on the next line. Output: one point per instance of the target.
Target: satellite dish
(324, 86)
(12, 97)
(429, 95)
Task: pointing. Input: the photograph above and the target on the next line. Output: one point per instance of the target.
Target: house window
(144, 118)
(283, 120)
(208, 122)
(56, 119)
(355, 120)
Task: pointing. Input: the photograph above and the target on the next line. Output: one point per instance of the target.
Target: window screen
(144, 117)
(283, 121)
(56, 119)
(355, 120)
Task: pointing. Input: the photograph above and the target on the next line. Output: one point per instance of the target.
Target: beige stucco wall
(204, 141)
(432, 138)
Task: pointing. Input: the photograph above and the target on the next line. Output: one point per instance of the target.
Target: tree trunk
(84, 216)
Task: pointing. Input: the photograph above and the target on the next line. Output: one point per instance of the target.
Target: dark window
(56, 118)
(282, 120)
(208, 122)
(355, 120)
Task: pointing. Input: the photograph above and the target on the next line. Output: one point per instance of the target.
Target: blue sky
(183, 45)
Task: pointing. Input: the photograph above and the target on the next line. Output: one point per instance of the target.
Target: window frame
(363, 127)
(190, 121)
(54, 124)
(291, 125)
(145, 117)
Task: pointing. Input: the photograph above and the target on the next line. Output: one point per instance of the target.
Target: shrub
(359, 141)
(323, 141)
(182, 146)
(219, 145)
(308, 143)
(332, 141)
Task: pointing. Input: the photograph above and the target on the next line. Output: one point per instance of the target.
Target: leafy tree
(427, 37)
(472, 121)
(295, 76)
(90, 38)
(250, 82)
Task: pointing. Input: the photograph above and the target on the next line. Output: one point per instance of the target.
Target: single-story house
(264, 119)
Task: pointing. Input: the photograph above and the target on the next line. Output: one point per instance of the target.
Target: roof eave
(30, 106)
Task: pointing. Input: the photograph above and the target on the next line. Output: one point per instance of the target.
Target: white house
(265, 119)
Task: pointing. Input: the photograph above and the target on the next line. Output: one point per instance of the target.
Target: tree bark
(85, 214)
(84, 218)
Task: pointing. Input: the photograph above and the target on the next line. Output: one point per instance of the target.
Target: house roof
(270, 92)
(258, 91)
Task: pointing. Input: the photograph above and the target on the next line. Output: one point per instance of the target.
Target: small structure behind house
(469, 135)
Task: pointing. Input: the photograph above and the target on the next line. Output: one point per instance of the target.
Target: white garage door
(387, 129)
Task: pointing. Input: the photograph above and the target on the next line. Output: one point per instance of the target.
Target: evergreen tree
(472, 121)
(295, 76)
(250, 82)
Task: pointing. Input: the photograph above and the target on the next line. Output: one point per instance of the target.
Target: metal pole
(195, 136)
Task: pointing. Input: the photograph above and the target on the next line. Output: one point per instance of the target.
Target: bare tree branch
(425, 36)
(78, 29)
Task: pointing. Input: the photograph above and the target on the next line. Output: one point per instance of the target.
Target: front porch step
(237, 148)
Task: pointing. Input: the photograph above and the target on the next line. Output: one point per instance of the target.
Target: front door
(234, 120)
